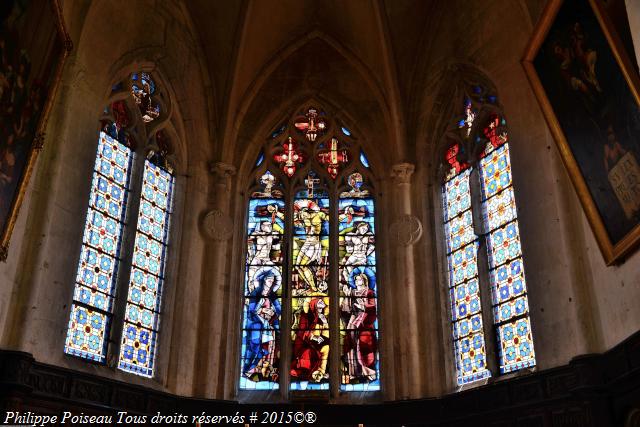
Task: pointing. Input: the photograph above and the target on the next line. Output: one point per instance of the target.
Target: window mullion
(285, 324)
(334, 303)
(124, 273)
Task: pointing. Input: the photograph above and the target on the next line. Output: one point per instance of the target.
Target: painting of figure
(32, 49)
(580, 71)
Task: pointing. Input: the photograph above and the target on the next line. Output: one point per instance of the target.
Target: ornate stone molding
(217, 225)
(406, 230)
(401, 173)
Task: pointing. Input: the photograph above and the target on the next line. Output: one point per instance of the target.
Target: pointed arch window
(487, 285)
(116, 302)
(310, 270)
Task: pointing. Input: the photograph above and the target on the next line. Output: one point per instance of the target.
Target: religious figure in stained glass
(262, 325)
(300, 189)
(358, 298)
(263, 283)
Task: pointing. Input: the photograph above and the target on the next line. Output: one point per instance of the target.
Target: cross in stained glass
(289, 157)
(312, 125)
(310, 182)
(333, 158)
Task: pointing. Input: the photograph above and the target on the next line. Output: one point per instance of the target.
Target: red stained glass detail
(333, 158)
(492, 132)
(451, 157)
(289, 157)
(120, 114)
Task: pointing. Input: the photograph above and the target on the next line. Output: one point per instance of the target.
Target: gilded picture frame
(589, 93)
(33, 47)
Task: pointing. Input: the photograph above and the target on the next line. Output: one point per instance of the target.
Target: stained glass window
(464, 292)
(358, 293)
(100, 257)
(506, 269)
(505, 284)
(260, 363)
(296, 213)
(310, 288)
(142, 312)
(103, 253)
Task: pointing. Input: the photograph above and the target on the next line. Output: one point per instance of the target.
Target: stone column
(213, 313)
(402, 234)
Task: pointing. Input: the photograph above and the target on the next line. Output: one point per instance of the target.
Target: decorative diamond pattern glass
(506, 269)
(462, 253)
(142, 312)
(92, 306)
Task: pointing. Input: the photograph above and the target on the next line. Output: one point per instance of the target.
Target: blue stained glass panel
(94, 290)
(471, 359)
(457, 197)
(516, 346)
(142, 312)
(86, 333)
(107, 197)
(96, 270)
(364, 160)
(137, 351)
(144, 289)
(465, 300)
(507, 281)
(92, 297)
(495, 171)
(459, 231)
(499, 209)
(102, 232)
(504, 244)
(508, 284)
(463, 264)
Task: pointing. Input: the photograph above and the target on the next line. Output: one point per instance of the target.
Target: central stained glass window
(478, 152)
(310, 252)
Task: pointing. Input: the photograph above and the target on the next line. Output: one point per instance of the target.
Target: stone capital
(401, 173)
(223, 173)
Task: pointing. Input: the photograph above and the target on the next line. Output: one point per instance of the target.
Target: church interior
(336, 212)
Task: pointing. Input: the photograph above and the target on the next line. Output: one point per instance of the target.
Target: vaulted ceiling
(265, 57)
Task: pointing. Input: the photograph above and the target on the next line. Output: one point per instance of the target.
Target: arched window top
(310, 227)
(312, 139)
(125, 260)
(483, 230)
(478, 123)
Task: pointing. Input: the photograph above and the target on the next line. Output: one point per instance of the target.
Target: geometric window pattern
(307, 157)
(97, 277)
(142, 312)
(506, 269)
(94, 293)
(464, 288)
(508, 291)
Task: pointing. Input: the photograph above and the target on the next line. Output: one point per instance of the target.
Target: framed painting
(33, 48)
(588, 91)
